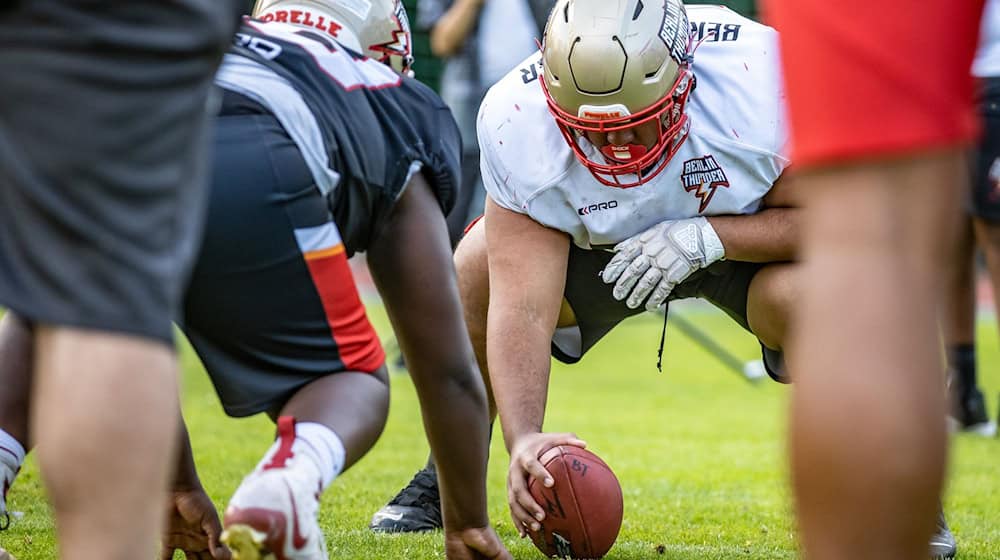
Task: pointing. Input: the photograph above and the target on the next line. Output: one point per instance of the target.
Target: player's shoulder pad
(740, 94)
(520, 144)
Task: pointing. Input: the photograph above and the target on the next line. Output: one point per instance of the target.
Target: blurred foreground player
(103, 135)
(322, 150)
(880, 143)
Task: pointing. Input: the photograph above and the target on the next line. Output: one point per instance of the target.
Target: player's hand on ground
(524, 464)
(653, 262)
(481, 543)
(193, 527)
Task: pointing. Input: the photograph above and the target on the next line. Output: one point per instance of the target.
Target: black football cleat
(417, 508)
(968, 412)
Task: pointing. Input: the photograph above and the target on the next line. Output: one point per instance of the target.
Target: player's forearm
(518, 351)
(451, 31)
(459, 430)
(770, 235)
(185, 473)
(421, 298)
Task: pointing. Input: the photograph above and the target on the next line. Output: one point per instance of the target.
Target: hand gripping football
(583, 509)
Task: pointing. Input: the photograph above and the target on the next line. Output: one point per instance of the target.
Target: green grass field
(700, 456)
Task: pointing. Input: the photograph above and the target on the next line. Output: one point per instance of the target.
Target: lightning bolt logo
(400, 43)
(702, 177)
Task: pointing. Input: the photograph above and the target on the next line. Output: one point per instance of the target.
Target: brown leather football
(583, 509)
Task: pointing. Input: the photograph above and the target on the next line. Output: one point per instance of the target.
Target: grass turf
(699, 453)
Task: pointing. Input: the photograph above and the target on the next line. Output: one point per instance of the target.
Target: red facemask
(631, 159)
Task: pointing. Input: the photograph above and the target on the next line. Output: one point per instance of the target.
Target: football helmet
(612, 65)
(378, 29)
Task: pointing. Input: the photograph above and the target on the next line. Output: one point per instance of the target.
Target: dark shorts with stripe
(986, 158)
(272, 304)
(103, 133)
(725, 284)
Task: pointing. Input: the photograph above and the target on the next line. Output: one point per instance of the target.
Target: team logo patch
(674, 31)
(701, 177)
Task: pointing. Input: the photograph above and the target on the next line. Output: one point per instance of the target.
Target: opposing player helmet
(614, 64)
(378, 29)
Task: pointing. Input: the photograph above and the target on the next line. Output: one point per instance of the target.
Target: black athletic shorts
(272, 304)
(986, 158)
(725, 284)
(103, 136)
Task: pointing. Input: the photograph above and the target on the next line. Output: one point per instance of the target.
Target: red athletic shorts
(868, 78)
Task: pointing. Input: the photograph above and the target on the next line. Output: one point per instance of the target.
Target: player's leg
(986, 188)
(469, 196)
(772, 293)
(99, 220)
(273, 312)
(771, 299)
(868, 480)
(16, 346)
(321, 431)
(876, 144)
(473, 272)
(967, 405)
(86, 382)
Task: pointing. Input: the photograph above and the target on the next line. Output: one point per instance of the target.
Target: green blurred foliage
(426, 66)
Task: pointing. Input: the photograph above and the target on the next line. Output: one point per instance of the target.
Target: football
(583, 509)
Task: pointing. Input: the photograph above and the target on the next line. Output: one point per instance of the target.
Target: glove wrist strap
(714, 251)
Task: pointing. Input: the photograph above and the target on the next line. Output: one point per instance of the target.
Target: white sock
(313, 441)
(323, 446)
(11, 451)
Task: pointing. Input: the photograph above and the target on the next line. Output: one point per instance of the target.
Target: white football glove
(659, 258)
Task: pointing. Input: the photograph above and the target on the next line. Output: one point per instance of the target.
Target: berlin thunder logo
(702, 176)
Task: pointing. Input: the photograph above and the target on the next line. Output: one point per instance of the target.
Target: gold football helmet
(613, 64)
(378, 29)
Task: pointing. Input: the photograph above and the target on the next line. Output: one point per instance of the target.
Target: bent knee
(773, 291)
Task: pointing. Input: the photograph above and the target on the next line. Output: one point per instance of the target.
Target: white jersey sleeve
(521, 148)
(495, 177)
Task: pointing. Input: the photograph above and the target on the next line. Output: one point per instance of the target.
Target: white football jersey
(731, 158)
(987, 62)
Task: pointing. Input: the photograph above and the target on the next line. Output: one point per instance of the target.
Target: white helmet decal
(378, 29)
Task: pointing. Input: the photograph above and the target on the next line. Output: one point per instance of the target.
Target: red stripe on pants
(359, 346)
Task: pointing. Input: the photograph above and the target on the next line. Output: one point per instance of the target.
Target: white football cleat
(273, 514)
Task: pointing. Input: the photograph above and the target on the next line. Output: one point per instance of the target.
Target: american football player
(635, 161)
(622, 134)
(881, 171)
(324, 147)
(103, 130)
(969, 411)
